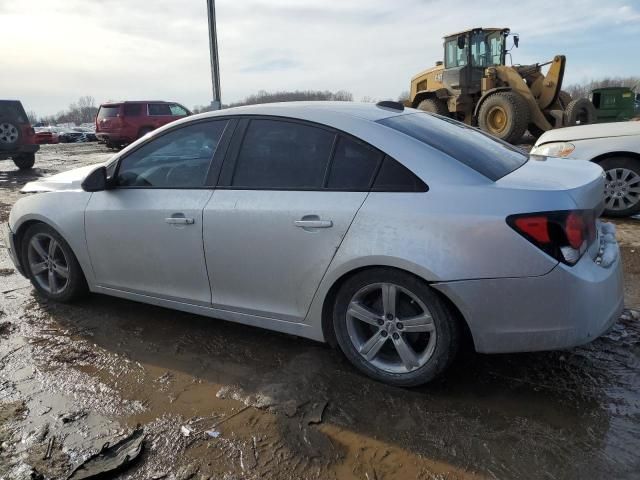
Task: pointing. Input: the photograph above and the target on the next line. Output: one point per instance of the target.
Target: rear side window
(159, 109)
(12, 110)
(354, 165)
(132, 109)
(108, 112)
(487, 155)
(395, 177)
(282, 155)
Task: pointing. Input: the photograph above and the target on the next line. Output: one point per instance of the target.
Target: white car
(613, 146)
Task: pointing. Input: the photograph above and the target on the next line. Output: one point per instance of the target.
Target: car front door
(279, 214)
(145, 234)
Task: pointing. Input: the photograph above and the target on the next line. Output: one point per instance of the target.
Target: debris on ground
(111, 459)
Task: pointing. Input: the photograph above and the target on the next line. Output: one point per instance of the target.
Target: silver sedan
(385, 231)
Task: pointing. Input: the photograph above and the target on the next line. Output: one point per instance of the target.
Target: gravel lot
(73, 377)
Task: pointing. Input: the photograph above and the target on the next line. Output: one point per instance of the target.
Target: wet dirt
(226, 401)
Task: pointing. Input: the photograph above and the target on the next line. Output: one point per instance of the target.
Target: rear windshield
(106, 112)
(12, 110)
(489, 156)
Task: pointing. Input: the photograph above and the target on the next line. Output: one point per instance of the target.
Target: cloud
(117, 49)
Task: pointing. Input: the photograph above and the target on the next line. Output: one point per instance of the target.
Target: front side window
(156, 109)
(178, 159)
(278, 154)
(485, 154)
(177, 110)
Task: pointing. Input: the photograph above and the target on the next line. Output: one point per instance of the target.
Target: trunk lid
(583, 181)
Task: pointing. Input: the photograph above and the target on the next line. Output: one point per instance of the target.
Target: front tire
(394, 328)
(51, 265)
(622, 186)
(504, 115)
(24, 161)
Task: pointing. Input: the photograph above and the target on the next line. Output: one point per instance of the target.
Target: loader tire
(504, 115)
(564, 98)
(580, 112)
(434, 105)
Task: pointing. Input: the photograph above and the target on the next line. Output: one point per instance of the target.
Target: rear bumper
(108, 137)
(567, 307)
(26, 148)
(9, 240)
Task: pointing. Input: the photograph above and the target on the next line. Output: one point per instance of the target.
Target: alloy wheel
(8, 133)
(391, 328)
(497, 119)
(48, 263)
(622, 189)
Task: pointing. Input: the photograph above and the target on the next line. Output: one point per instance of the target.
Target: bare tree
(286, 96)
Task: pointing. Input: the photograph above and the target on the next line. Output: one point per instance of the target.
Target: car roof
(305, 110)
(114, 104)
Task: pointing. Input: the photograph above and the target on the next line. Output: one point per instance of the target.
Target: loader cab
(467, 55)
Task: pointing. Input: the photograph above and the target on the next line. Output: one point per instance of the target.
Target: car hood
(69, 180)
(596, 130)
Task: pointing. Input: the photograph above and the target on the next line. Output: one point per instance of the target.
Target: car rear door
(284, 202)
(145, 234)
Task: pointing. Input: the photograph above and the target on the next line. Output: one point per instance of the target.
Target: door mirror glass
(96, 181)
(516, 40)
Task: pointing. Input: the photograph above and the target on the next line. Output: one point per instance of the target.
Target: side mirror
(516, 40)
(96, 181)
(461, 42)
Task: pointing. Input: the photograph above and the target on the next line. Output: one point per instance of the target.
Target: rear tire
(25, 161)
(580, 112)
(434, 105)
(504, 115)
(51, 265)
(564, 98)
(406, 340)
(622, 186)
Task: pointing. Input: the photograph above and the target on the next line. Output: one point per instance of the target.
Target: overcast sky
(57, 50)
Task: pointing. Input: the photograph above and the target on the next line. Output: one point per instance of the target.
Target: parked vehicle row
(388, 232)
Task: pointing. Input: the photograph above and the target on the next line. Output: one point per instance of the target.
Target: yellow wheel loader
(474, 85)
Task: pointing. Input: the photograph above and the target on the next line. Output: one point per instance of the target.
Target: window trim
(215, 162)
(231, 159)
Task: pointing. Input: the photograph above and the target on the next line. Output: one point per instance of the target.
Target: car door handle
(180, 221)
(313, 223)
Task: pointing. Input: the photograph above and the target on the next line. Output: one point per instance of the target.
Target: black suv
(17, 138)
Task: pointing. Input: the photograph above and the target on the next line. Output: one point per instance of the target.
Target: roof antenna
(391, 104)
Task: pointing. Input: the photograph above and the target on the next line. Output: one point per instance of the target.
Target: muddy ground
(73, 377)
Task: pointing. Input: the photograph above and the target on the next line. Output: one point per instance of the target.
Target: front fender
(62, 211)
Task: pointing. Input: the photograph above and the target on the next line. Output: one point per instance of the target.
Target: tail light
(565, 235)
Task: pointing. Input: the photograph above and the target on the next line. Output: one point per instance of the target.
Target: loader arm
(547, 88)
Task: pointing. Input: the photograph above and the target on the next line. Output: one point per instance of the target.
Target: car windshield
(487, 155)
(487, 49)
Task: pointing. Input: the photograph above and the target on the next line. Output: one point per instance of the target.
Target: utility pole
(213, 47)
